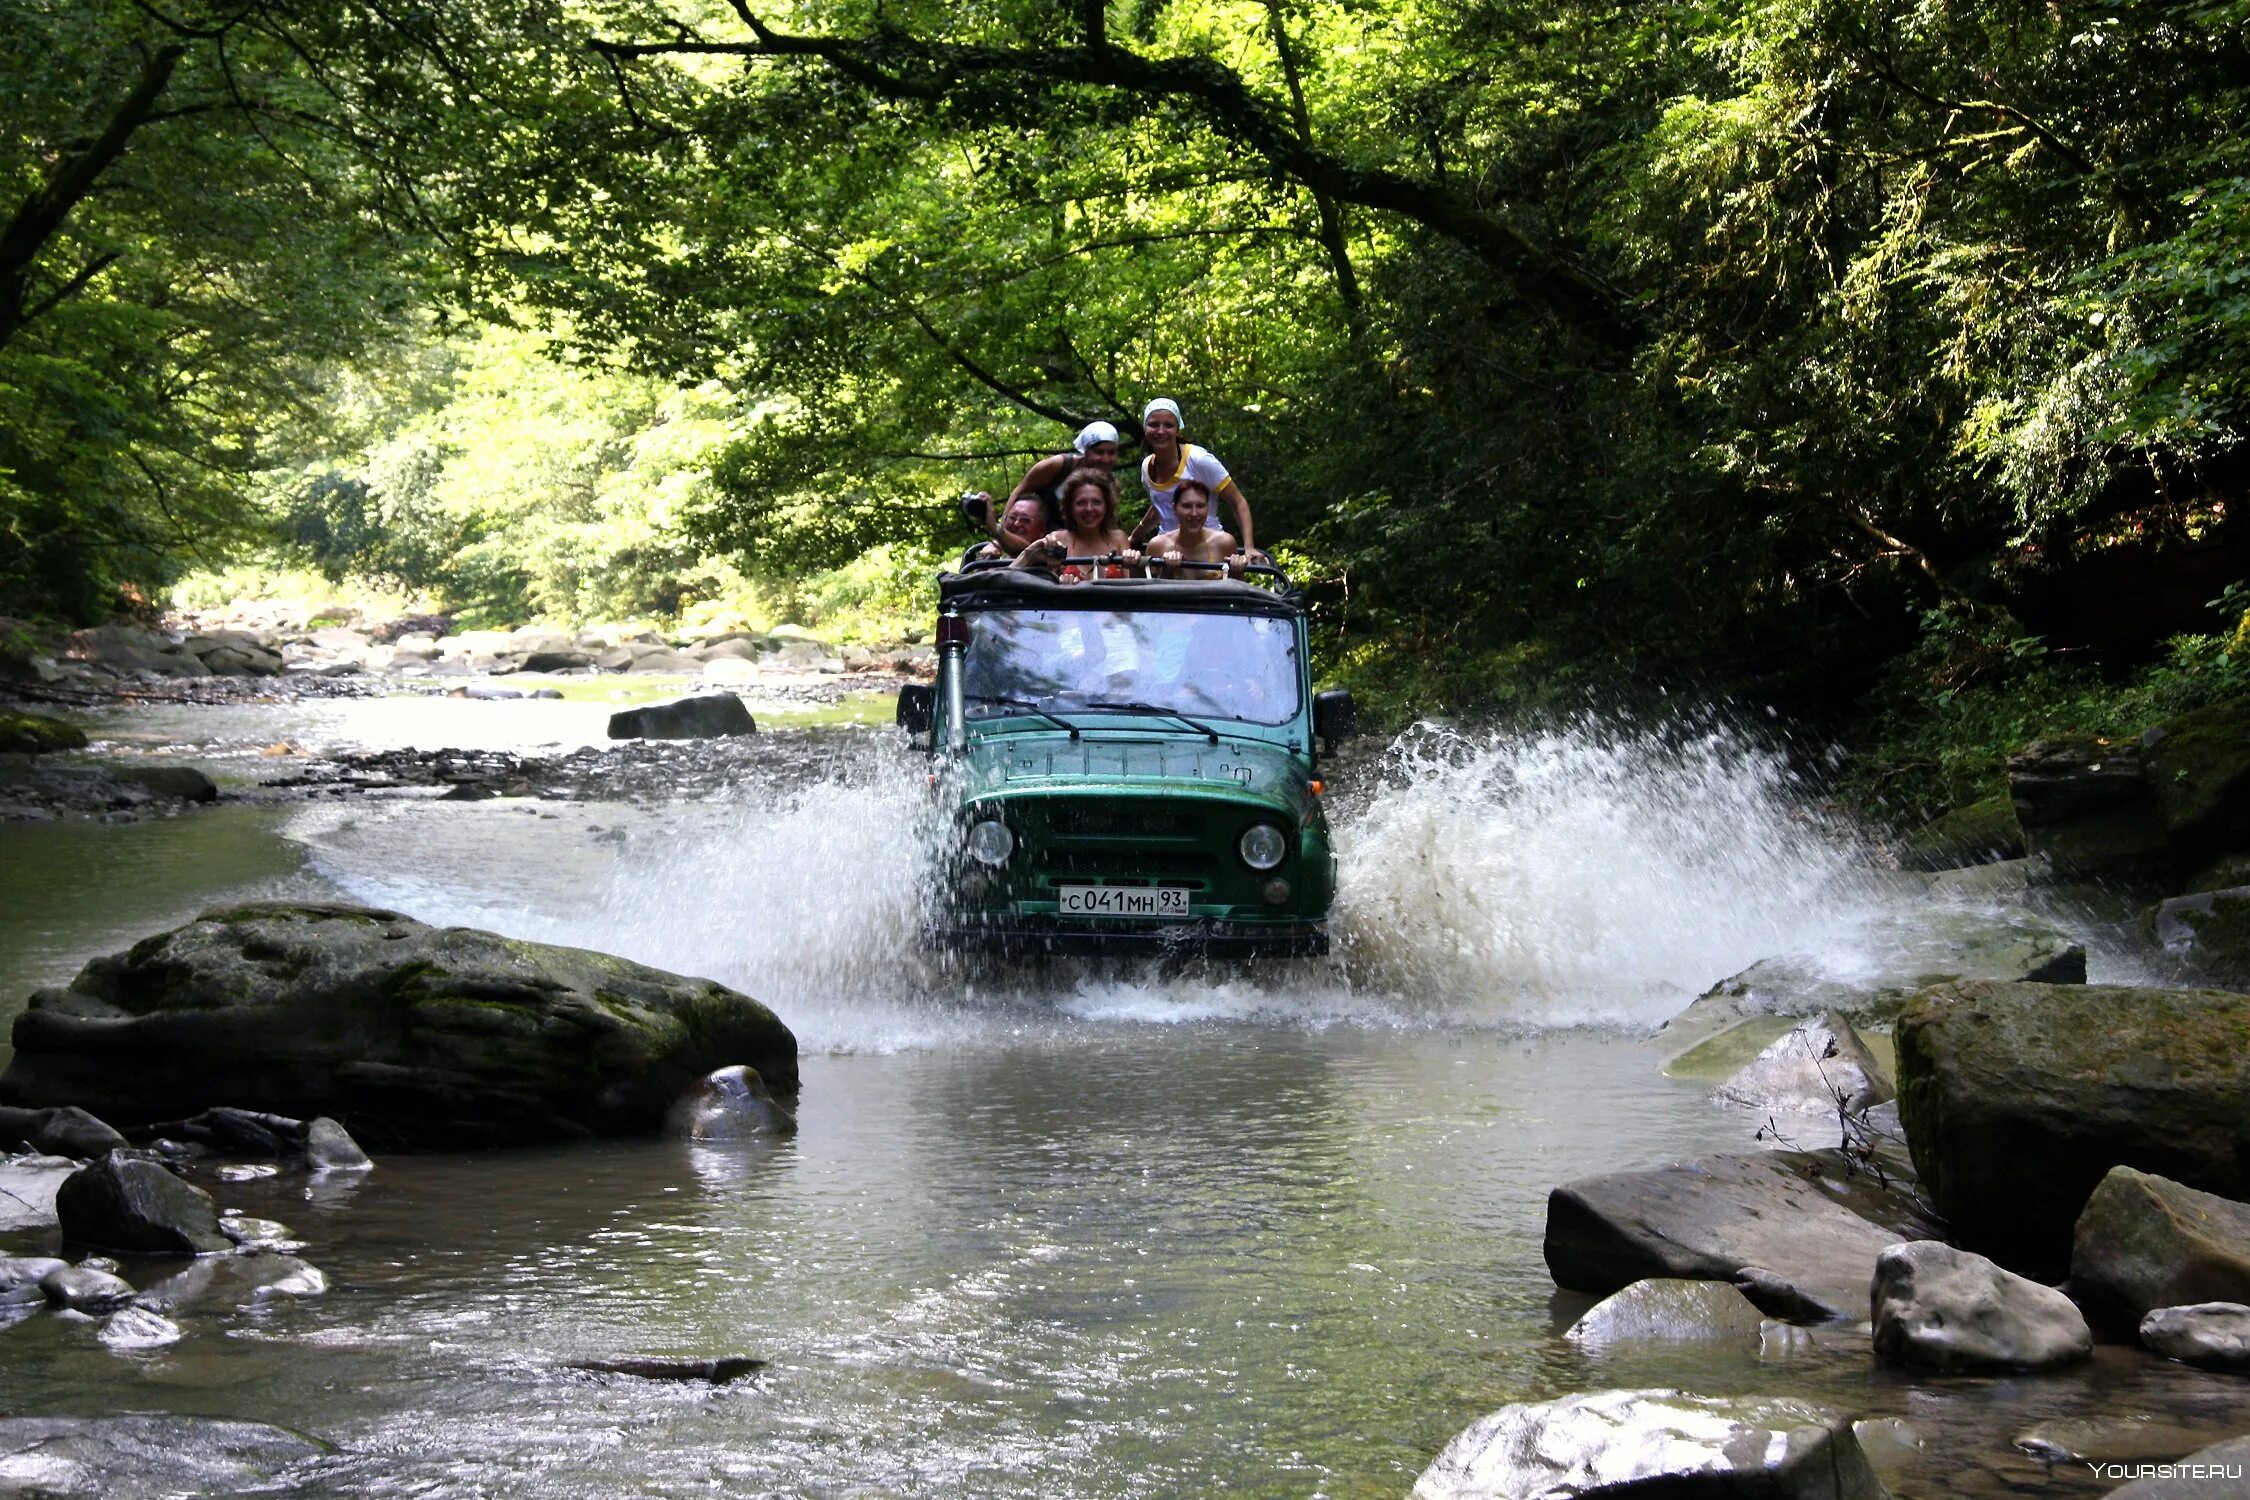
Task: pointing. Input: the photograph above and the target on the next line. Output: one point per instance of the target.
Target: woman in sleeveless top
(1090, 504)
(1170, 461)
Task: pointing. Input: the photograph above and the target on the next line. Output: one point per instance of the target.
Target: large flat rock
(2018, 1098)
(1797, 1231)
(414, 1037)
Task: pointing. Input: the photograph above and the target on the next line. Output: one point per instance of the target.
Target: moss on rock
(24, 733)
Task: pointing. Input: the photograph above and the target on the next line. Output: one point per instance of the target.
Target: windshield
(1072, 660)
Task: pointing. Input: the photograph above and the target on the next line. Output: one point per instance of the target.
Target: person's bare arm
(1241, 503)
(1040, 475)
(1043, 553)
(1146, 528)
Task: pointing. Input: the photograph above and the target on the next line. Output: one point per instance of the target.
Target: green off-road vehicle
(1129, 766)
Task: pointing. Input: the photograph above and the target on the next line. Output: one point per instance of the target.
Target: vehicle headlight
(990, 843)
(1263, 847)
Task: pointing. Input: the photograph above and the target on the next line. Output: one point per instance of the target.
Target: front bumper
(1034, 936)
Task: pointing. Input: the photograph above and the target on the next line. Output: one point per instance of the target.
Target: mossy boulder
(1982, 833)
(2084, 804)
(2198, 769)
(36, 734)
(2018, 1098)
(2146, 1242)
(414, 1037)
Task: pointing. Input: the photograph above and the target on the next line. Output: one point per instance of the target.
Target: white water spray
(1587, 875)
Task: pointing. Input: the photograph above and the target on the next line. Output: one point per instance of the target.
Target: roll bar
(1142, 570)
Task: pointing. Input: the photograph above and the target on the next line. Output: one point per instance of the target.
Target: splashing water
(1592, 874)
(1588, 874)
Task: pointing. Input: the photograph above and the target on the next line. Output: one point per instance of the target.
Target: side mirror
(917, 707)
(1334, 716)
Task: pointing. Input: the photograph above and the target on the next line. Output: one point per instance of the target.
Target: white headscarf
(1094, 432)
(1164, 403)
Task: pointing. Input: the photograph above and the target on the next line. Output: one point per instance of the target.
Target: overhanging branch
(896, 65)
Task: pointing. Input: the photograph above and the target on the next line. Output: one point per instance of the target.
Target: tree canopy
(1733, 336)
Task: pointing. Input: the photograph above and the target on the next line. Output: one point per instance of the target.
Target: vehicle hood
(1241, 770)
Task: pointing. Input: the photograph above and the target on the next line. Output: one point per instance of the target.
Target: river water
(1067, 1231)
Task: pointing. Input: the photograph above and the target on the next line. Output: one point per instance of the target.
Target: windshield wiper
(1152, 708)
(1024, 703)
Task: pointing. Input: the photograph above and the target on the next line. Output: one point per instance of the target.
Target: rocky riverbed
(1936, 1202)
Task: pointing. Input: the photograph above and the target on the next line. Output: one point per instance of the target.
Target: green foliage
(1717, 342)
(1936, 733)
(508, 484)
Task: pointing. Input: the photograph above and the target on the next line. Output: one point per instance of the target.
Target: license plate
(1122, 900)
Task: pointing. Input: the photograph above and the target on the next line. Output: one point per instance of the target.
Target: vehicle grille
(1095, 821)
(1169, 866)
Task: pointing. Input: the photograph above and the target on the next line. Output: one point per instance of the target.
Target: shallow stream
(1064, 1231)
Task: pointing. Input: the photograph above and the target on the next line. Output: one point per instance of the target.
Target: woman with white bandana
(1096, 445)
(1170, 461)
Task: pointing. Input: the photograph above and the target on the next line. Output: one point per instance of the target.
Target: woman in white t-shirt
(1169, 461)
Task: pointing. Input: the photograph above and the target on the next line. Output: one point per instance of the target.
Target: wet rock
(330, 1148)
(137, 1328)
(2209, 1335)
(2145, 1242)
(2018, 1098)
(82, 1289)
(235, 1281)
(650, 1367)
(568, 659)
(1797, 1231)
(2085, 807)
(2206, 934)
(1818, 1068)
(170, 783)
(1670, 1312)
(731, 1104)
(1938, 1308)
(485, 693)
(28, 1185)
(21, 1275)
(123, 1203)
(2138, 1438)
(1981, 833)
(59, 1132)
(2219, 1472)
(1911, 953)
(701, 717)
(24, 733)
(1657, 1443)
(2004, 880)
(421, 1037)
(250, 1233)
(146, 1457)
